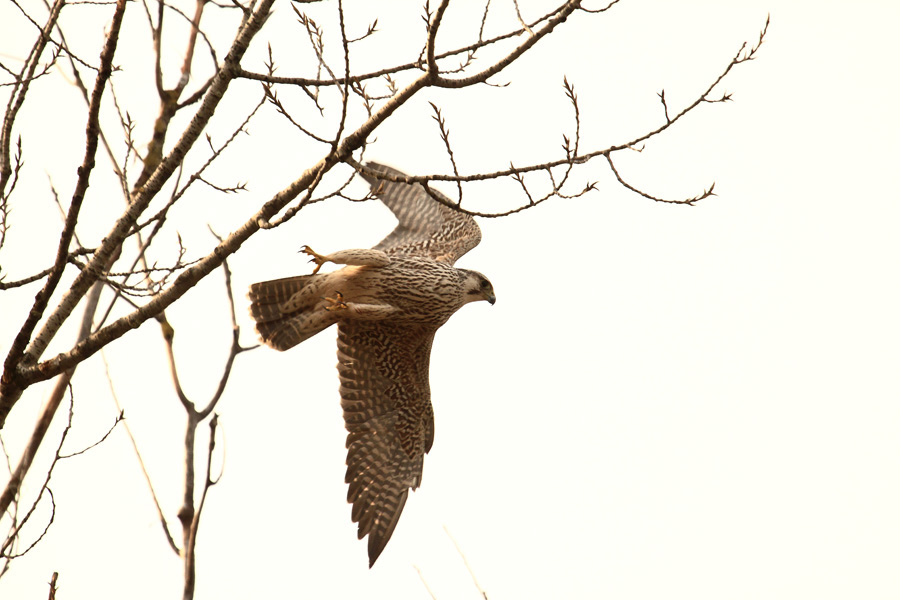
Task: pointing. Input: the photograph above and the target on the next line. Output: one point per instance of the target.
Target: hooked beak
(491, 298)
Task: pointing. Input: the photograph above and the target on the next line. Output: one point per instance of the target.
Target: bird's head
(478, 287)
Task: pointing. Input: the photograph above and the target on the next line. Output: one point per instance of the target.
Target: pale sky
(665, 402)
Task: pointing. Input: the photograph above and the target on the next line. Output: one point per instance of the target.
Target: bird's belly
(420, 296)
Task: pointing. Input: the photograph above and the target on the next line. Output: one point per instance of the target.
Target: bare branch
(599, 10)
(8, 285)
(14, 379)
(662, 99)
(521, 20)
(76, 75)
(387, 72)
(434, 24)
(14, 534)
(53, 579)
(7, 192)
(465, 560)
(140, 460)
(575, 159)
(425, 583)
(561, 15)
(119, 418)
(272, 96)
(17, 97)
(445, 137)
(52, 405)
(690, 201)
(17, 349)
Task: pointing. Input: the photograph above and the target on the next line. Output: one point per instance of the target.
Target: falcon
(388, 302)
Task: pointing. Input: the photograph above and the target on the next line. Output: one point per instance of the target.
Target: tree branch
(19, 368)
(17, 349)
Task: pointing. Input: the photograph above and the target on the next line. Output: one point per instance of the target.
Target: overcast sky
(665, 401)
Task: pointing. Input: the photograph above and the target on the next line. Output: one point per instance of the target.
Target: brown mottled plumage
(388, 303)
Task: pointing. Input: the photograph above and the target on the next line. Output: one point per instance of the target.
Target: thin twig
(140, 459)
(466, 562)
(425, 583)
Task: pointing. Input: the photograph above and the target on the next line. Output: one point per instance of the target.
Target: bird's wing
(425, 227)
(387, 411)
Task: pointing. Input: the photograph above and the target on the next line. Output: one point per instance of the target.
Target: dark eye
(484, 284)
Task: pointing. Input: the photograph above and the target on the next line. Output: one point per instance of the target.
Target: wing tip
(379, 536)
(378, 168)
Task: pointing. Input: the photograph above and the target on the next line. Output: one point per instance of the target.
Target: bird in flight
(388, 302)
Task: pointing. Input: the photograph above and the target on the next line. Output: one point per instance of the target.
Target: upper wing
(387, 411)
(425, 227)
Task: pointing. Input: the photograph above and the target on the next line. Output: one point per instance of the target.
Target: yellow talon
(337, 303)
(316, 258)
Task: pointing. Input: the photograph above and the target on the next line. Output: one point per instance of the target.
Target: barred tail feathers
(284, 310)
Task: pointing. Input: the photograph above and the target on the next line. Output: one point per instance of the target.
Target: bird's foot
(316, 258)
(337, 303)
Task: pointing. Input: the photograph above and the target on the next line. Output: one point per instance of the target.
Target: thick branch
(14, 380)
(49, 410)
(191, 276)
(81, 185)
